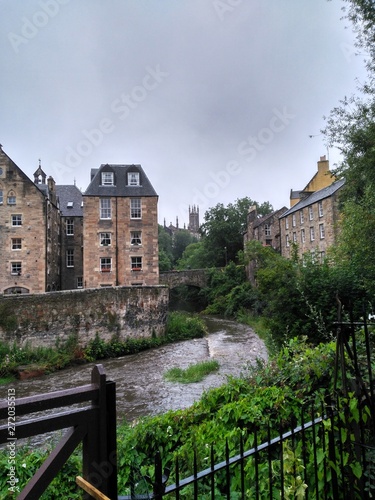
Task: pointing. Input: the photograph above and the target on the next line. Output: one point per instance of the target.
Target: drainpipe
(117, 282)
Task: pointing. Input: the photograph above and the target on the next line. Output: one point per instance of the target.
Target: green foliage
(182, 326)
(192, 374)
(7, 319)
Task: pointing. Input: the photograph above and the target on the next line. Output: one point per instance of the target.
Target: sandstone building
(50, 240)
(120, 228)
(29, 230)
(264, 229)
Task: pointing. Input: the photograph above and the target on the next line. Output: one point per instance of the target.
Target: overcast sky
(216, 99)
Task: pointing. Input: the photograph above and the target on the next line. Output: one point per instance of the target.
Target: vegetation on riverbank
(270, 394)
(180, 326)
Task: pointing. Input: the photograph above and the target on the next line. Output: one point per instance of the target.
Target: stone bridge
(192, 277)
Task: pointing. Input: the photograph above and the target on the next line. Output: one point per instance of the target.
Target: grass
(192, 374)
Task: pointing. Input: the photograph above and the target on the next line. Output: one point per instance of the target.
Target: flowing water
(140, 387)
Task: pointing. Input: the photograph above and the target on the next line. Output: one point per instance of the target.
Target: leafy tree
(222, 231)
(351, 128)
(181, 240)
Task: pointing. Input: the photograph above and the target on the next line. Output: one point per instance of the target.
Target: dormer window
(69, 204)
(133, 178)
(107, 179)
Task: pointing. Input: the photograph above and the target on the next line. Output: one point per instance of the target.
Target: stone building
(311, 225)
(265, 229)
(120, 228)
(71, 211)
(29, 230)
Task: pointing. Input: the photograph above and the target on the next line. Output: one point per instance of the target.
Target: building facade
(311, 225)
(71, 212)
(120, 228)
(29, 230)
(264, 229)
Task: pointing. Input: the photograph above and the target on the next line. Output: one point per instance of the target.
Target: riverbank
(24, 363)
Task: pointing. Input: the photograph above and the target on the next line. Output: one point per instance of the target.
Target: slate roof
(68, 195)
(121, 187)
(315, 197)
(263, 219)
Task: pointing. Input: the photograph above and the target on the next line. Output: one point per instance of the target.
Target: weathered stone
(122, 311)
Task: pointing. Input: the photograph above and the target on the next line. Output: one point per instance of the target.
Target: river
(140, 387)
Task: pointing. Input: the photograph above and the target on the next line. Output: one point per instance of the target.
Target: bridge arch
(191, 277)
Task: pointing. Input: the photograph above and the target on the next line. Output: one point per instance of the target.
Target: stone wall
(44, 319)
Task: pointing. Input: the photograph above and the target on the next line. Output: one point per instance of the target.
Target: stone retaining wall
(44, 319)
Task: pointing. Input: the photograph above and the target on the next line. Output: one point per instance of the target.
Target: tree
(351, 128)
(222, 231)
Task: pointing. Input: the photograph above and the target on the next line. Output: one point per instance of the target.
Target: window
(105, 264)
(294, 237)
(267, 230)
(136, 263)
(302, 218)
(17, 220)
(286, 223)
(16, 243)
(105, 208)
(287, 240)
(322, 256)
(312, 234)
(321, 231)
(107, 179)
(294, 220)
(16, 268)
(133, 178)
(69, 227)
(1, 197)
(11, 200)
(320, 208)
(311, 214)
(135, 238)
(105, 239)
(69, 204)
(135, 208)
(303, 237)
(70, 258)
(79, 282)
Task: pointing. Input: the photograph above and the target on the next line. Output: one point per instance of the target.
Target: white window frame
(12, 200)
(80, 282)
(133, 179)
(105, 208)
(16, 244)
(69, 227)
(302, 218)
(105, 239)
(311, 213)
(136, 238)
(303, 236)
(69, 257)
(1, 197)
(107, 179)
(287, 242)
(16, 268)
(320, 208)
(294, 237)
(321, 231)
(105, 264)
(294, 220)
(16, 220)
(286, 223)
(136, 263)
(135, 208)
(312, 233)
